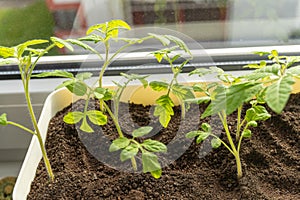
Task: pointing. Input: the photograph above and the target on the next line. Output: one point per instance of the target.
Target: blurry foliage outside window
(213, 23)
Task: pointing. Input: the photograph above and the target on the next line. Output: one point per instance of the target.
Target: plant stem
(114, 119)
(238, 166)
(233, 148)
(134, 165)
(21, 127)
(239, 122)
(38, 134)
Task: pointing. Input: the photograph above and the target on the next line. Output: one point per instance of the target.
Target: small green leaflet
(85, 46)
(6, 52)
(164, 110)
(182, 92)
(103, 93)
(294, 71)
(77, 88)
(205, 71)
(159, 86)
(132, 77)
(165, 41)
(278, 93)
(154, 146)
(24, 46)
(141, 131)
(216, 143)
(198, 100)
(150, 163)
(3, 119)
(119, 143)
(56, 73)
(247, 133)
(83, 76)
(180, 43)
(257, 113)
(97, 117)
(60, 43)
(129, 152)
(73, 117)
(201, 135)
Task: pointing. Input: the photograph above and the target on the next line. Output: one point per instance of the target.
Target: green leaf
(199, 87)
(164, 110)
(3, 119)
(246, 133)
(265, 72)
(85, 46)
(97, 117)
(179, 42)
(165, 41)
(156, 174)
(159, 86)
(154, 146)
(216, 143)
(132, 77)
(158, 56)
(22, 47)
(202, 136)
(56, 73)
(279, 92)
(198, 100)
(92, 38)
(150, 162)
(119, 143)
(129, 152)
(66, 83)
(96, 27)
(73, 117)
(261, 53)
(85, 126)
(294, 71)
(252, 124)
(226, 97)
(257, 113)
(77, 88)
(84, 76)
(103, 93)
(206, 127)
(60, 43)
(142, 131)
(182, 92)
(6, 52)
(204, 71)
(192, 134)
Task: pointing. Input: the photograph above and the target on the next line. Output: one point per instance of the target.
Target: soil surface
(270, 159)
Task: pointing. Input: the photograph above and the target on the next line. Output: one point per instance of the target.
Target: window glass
(213, 23)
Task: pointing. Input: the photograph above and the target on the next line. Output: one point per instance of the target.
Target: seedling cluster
(267, 84)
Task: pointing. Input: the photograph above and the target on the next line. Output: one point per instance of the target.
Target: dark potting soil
(84, 169)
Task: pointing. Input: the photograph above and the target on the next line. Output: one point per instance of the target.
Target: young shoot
(164, 104)
(223, 102)
(131, 147)
(267, 84)
(27, 57)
